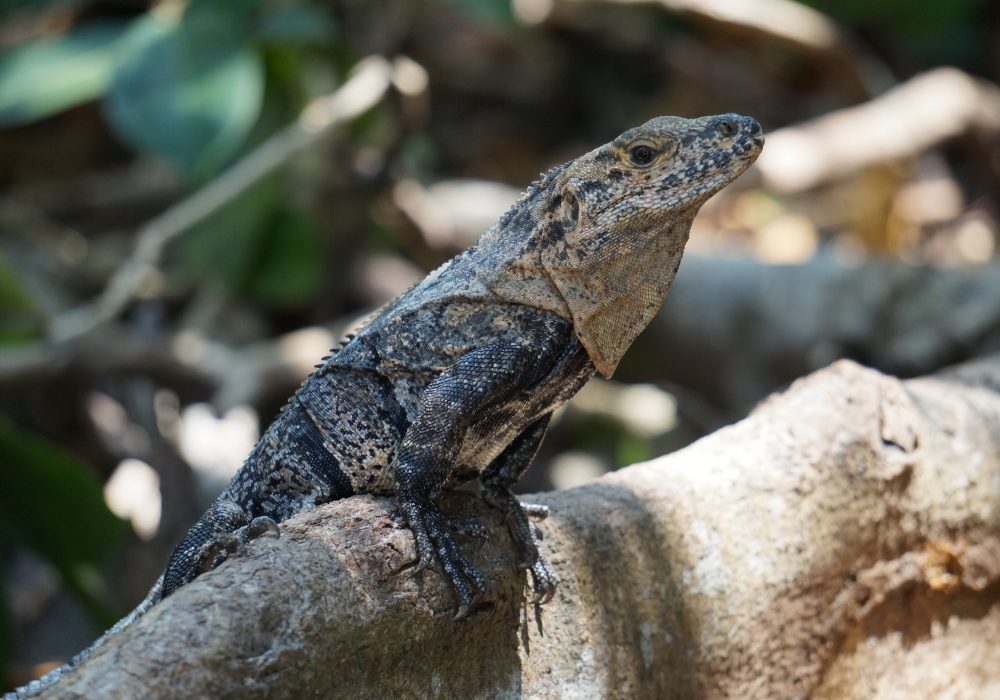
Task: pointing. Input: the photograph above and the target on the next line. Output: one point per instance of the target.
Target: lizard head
(659, 172)
(599, 239)
(618, 219)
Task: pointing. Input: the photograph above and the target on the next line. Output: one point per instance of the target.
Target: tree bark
(841, 542)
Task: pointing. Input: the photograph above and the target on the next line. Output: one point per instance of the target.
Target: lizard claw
(543, 582)
(525, 535)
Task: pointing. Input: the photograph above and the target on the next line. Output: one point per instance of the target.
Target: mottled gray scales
(457, 378)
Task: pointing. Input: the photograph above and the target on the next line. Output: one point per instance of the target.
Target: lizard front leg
(496, 482)
(478, 381)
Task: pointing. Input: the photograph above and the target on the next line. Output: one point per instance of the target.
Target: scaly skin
(456, 379)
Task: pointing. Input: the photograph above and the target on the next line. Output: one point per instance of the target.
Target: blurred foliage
(258, 246)
(291, 267)
(182, 82)
(923, 30)
(52, 504)
(495, 13)
(55, 73)
(188, 90)
(19, 318)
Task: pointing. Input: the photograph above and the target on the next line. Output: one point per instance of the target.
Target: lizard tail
(35, 687)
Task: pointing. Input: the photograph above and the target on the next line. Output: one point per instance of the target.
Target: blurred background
(197, 199)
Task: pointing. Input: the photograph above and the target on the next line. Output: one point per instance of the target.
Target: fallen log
(735, 330)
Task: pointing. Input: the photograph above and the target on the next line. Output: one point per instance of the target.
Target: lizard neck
(609, 296)
(614, 295)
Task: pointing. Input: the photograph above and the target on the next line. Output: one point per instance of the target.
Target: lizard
(457, 378)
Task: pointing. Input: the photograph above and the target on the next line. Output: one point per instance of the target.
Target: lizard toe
(543, 582)
(535, 511)
(465, 527)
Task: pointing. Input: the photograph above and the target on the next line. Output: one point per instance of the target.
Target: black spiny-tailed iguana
(457, 378)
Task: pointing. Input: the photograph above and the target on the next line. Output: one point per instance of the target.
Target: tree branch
(909, 119)
(787, 22)
(788, 320)
(853, 508)
(368, 82)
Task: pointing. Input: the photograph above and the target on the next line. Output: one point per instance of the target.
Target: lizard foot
(536, 513)
(456, 525)
(217, 550)
(525, 536)
(432, 534)
(516, 516)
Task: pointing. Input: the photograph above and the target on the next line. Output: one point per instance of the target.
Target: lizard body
(456, 379)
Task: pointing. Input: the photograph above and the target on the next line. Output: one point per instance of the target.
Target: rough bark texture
(841, 542)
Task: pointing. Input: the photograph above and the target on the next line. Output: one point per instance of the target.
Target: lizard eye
(641, 155)
(570, 207)
(727, 128)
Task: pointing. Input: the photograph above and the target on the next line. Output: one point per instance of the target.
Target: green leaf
(256, 246)
(53, 504)
(20, 319)
(13, 295)
(632, 450)
(189, 91)
(291, 262)
(47, 76)
(496, 13)
(296, 24)
(224, 248)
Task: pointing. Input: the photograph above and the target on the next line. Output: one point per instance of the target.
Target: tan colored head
(614, 223)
